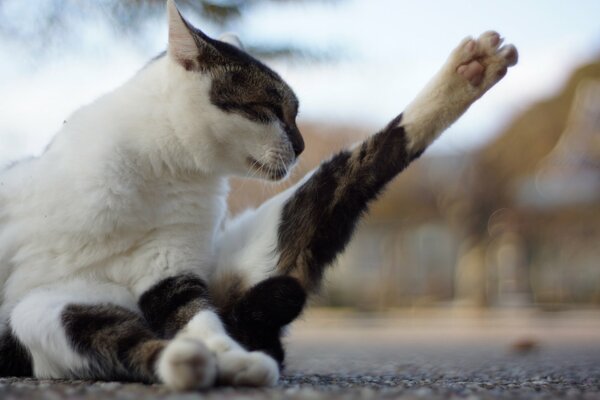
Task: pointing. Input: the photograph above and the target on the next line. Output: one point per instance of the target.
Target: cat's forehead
(251, 80)
(243, 69)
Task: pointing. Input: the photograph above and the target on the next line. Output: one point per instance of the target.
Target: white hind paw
(187, 364)
(242, 368)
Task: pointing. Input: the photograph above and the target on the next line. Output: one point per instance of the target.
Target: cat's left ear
(183, 46)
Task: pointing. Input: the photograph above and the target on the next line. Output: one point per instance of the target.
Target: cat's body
(116, 260)
(109, 203)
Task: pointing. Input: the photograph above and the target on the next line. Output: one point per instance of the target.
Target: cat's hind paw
(242, 368)
(482, 61)
(187, 364)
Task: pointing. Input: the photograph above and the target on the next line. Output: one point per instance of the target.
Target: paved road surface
(436, 355)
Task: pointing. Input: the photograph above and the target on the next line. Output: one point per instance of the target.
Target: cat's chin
(267, 171)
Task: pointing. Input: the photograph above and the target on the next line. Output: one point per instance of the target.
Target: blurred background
(503, 211)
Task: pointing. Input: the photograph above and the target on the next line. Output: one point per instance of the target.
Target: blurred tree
(50, 20)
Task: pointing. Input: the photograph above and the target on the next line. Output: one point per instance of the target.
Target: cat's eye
(258, 112)
(264, 112)
(278, 112)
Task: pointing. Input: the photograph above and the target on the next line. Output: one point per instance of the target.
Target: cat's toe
(466, 51)
(241, 368)
(497, 65)
(509, 54)
(261, 371)
(187, 364)
(489, 42)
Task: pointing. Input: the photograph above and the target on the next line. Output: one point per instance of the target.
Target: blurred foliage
(51, 20)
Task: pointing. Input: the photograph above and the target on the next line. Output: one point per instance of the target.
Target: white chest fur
(114, 197)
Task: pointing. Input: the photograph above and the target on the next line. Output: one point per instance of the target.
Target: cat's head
(232, 112)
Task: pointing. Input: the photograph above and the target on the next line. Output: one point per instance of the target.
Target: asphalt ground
(438, 354)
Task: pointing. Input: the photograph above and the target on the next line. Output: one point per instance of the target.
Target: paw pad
(483, 62)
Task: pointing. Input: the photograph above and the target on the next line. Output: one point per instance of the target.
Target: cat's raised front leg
(301, 231)
(179, 307)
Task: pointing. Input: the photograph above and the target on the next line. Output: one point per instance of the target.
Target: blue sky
(389, 49)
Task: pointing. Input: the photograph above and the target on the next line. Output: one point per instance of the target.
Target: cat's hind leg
(95, 331)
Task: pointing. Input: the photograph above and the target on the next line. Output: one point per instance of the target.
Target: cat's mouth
(272, 172)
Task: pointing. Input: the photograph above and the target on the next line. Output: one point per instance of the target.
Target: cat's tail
(15, 359)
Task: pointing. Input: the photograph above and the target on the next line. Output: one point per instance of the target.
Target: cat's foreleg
(86, 330)
(301, 231)
(294, 236)
(317, 222)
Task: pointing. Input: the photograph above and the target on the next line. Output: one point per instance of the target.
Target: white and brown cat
(116, 261)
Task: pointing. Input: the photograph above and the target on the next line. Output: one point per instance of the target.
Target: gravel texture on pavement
(500, 356)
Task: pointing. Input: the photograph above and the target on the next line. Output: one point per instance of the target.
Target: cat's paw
(242, 368)
(187, 364)
(483, 61)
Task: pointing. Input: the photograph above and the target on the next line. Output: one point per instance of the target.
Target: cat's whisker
(283, 164)
(263, 163)
(253, 171)
(255, 168)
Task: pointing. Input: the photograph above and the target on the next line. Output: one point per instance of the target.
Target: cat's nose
(298, 146)
(296, 140)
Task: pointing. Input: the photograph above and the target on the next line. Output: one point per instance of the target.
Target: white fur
(187, 364)
(248, 243)
(242, 368)
(118, 201)
(250, 248)
(131, 190)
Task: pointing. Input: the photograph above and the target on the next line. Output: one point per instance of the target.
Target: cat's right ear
(183, 48)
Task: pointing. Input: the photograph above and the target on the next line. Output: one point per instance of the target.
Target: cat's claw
(482, 62)
(242, 368)
(187, 364)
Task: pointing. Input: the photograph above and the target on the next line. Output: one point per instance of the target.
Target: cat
(117, 260)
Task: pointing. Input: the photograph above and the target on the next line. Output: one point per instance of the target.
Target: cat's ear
(183, 47)
(232, 39)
